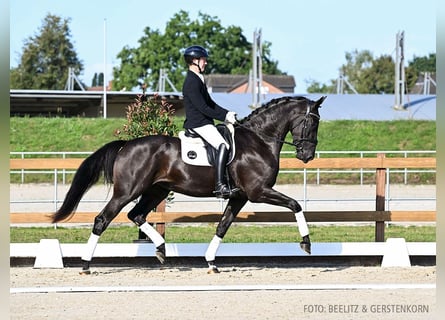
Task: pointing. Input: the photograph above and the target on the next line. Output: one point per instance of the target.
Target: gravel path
(256, 303)
(342, 197)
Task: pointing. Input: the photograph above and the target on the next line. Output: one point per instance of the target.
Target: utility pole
(340, 84)
(399, 83)
(163, 77)
(427, 81)
(161, 83)
(257, 74)
(71, 79)
(105, 107)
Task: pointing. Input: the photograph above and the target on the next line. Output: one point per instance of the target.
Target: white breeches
(210, 134)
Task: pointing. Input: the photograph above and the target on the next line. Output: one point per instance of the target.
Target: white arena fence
(60, 178)
(395, 252)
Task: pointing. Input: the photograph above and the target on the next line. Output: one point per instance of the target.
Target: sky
(309, 38)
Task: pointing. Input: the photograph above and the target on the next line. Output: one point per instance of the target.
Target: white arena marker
(396, 253)
(49, 254)
(222, 288)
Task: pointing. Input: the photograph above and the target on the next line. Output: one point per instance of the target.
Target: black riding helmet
(194, 52)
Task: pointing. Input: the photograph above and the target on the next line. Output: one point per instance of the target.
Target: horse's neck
(271, 129)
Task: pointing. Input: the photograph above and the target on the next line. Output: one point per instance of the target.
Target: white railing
(56, 200)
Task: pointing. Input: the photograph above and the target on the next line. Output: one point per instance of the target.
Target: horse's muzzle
(307, 159)
(304, 158)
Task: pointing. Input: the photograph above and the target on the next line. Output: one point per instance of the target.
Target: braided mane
(269, 105)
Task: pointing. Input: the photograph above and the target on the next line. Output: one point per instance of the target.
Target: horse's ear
(320, 101)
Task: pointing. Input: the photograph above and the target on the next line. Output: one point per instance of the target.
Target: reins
(296, 144)
(306, 118)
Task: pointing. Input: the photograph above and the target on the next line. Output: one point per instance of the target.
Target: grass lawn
(236, 234)
(89, 134)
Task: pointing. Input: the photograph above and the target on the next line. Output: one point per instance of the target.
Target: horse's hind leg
(231, 211)
(101, 222)
(148, 201)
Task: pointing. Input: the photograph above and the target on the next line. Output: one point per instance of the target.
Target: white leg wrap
(152, 234)
(91, 246)
(213, 248)
(302, 225)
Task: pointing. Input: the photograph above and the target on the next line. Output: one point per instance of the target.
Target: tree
(230, 52)
(314, 86)
(98, 80)
(46, 57)
(374, 75)
(424, 64)
(379, 77)
(94, 81)
(417, 67)
(356, 64)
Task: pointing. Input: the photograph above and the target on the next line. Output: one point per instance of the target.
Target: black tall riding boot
(221, 188)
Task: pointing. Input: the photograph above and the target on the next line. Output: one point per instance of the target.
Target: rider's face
(202, 62)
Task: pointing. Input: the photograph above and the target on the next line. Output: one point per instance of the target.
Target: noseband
(298, 143)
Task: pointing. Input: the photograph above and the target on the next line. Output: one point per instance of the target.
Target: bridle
(297, 143)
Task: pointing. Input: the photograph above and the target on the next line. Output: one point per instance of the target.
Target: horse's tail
(87, 175)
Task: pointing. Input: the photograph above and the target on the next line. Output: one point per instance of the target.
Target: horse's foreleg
(232, 209)
(274, 197)
(304, 231)
(157, 239)
(211, 254)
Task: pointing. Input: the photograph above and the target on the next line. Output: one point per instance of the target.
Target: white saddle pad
(193, 150)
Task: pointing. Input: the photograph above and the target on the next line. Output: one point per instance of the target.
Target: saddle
(196, 151)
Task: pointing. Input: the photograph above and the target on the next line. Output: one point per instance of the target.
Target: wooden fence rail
(285, 163)
(379, 216)
(245, 216)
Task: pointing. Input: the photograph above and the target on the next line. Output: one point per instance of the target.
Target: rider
(201, 110)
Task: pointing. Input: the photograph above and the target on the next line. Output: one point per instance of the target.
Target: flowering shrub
(148, 116)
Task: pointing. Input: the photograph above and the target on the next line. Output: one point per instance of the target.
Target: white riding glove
(231, 117)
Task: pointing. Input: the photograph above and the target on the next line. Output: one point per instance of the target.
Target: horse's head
(304, 129)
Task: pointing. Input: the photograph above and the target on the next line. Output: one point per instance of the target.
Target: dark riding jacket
(200, 109)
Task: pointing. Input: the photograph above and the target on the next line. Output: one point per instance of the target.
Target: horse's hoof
(160, 253)
(306, 247)
(161, 256)
(213, 270)
(85, 272)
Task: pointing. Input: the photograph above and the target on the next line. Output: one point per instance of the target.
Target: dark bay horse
(150, 167)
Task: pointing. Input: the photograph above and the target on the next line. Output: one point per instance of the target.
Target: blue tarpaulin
(378, 107)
